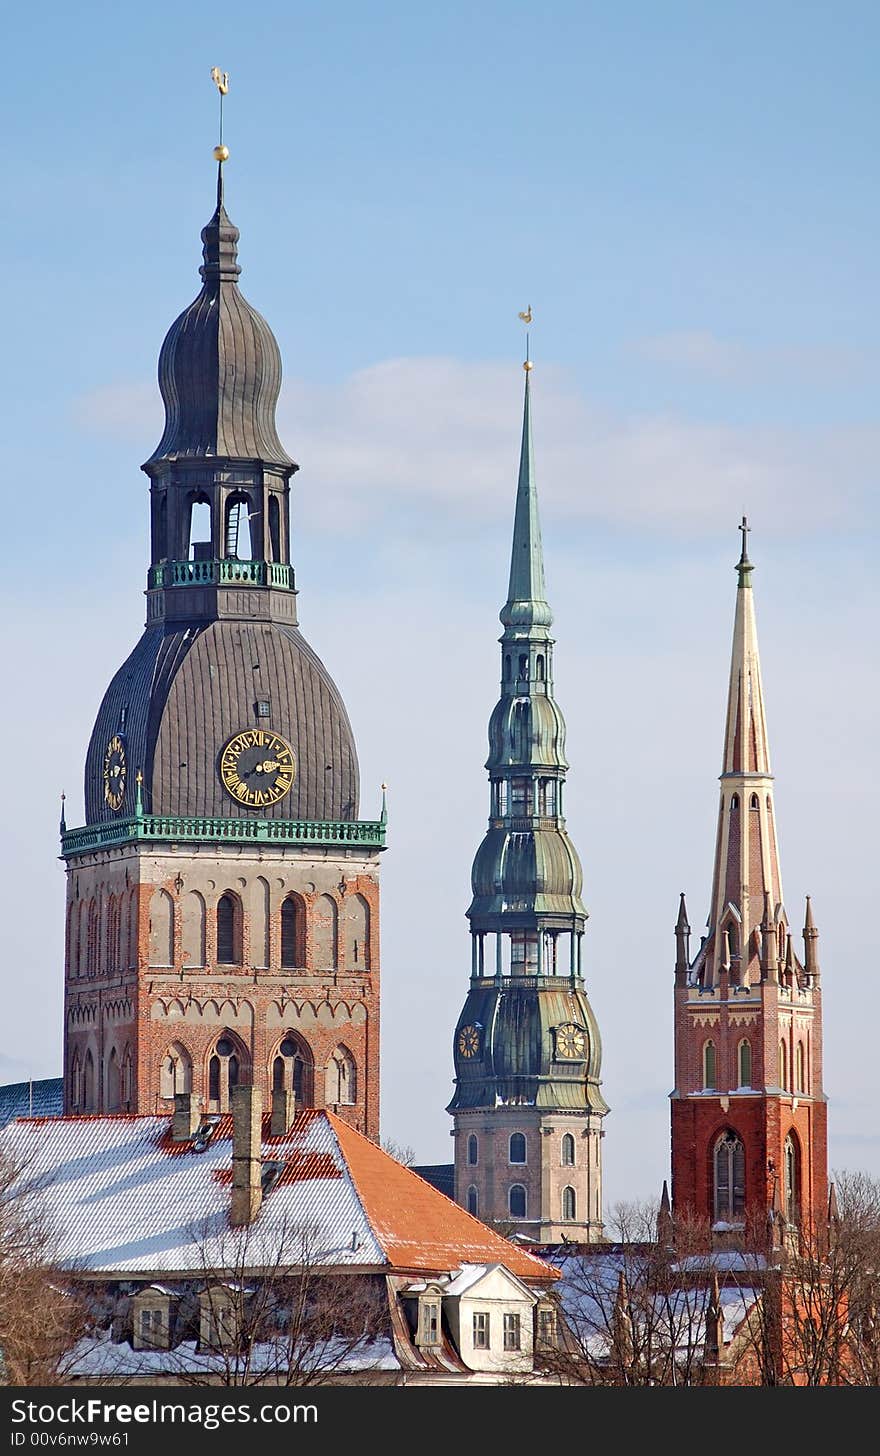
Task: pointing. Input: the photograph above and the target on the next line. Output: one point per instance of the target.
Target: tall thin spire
(526, 604)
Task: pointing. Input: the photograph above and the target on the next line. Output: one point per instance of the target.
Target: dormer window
(429, 1321)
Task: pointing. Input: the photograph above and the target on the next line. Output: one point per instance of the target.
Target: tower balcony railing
(229, 571)
(162, 828)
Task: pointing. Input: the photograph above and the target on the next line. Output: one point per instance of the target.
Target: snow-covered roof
(124, 1198)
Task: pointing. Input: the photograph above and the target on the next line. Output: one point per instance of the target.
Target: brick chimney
(247, 1137)
(283, 1113)
(187, 1116)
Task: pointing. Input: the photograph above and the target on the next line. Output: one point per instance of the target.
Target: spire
(682, 941)
(526, 604)
(811, 935)
(664, 1218)
(746, 853)
(746, 748)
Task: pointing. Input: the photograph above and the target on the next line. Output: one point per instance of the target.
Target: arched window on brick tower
(341, 1079)
(791, 1161)
(175, 1072)
(729, 1169)
(227, 1068)
(293, 932)
(113, 1084)
(76, 1083)
(88, 1101)
(126, 1080)
(228, 930)
(293, 1071)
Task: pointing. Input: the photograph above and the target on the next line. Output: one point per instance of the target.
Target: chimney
(247, 1143)
(283, 1113)
(187, 1116)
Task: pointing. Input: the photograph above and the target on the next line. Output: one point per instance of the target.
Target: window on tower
(237, 544)
(292, 932)
(275, 527)
(228, 931)
(791, 1162)
(745, 1064)
(473, 1201)
(569, 1203)
(516, 1201)
(710, 1067)
(473, 1149)
(729, 1167)
(517, 1152)
(568, 1151)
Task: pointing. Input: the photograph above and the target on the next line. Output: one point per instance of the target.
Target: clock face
(571, 1042)
(468, 1041)
(257, 767)
(114, 772)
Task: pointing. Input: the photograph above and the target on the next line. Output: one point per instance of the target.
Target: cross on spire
(744, 566)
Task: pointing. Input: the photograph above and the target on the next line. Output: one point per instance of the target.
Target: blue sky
(686, 194)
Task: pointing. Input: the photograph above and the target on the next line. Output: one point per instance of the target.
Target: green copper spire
(526, 604)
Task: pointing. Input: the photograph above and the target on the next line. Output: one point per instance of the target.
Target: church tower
(527, 1107)
(749, 1117)
(222, 896)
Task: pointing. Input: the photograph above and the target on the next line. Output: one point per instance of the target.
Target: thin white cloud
(410, 439)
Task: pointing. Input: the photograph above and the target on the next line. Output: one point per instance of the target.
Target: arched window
(94, 922)
(473, 1201)
(539, 667)
(75, 1083)
(791, 1162)
(199, 547)
(237, 544)
(292, 1071)
(783, 1065)
(275, 527)
(710, 1067)
(228, 931)
(357, 933)
(753, 802)
(292, 932)
(507, 667)
(341, 1079)
(734, 803)
(568, 1151)
(569, 1203)
(161, 929)
(800, 1068)
(113, 1083)
(175, 1073)
(193, 922)
(729, 1169)
(523, 666)
(744, 1058)
(325, 933)
(126, 1080)
(224, 1072)
(517, 1152)
(473, 1150)
(516, 1201)
(88, 1093)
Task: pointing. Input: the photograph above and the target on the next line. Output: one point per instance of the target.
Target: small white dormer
(490, 1317)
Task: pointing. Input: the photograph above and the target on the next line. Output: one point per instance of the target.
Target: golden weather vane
(527, 319)
(221, 81)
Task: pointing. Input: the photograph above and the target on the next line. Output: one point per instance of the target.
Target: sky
(686, 195)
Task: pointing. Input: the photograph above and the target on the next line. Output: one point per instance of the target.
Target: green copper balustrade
(161, 828)
(228, 571)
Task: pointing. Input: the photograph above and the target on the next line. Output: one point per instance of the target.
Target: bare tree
(43, 1311)
(634, 1310)
(263, 1310)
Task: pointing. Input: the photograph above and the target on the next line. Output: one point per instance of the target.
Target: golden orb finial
(527, 365)
(221, 154)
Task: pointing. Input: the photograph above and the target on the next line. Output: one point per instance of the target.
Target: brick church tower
(527, 1107)
(222, 896)
(749, 1116)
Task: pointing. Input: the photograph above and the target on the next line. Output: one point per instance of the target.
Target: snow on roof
(125, 1198)
(104, 1357)
(469, 1275)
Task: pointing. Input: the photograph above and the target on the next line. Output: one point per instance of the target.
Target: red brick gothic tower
(748, 1109)
(222, 895)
